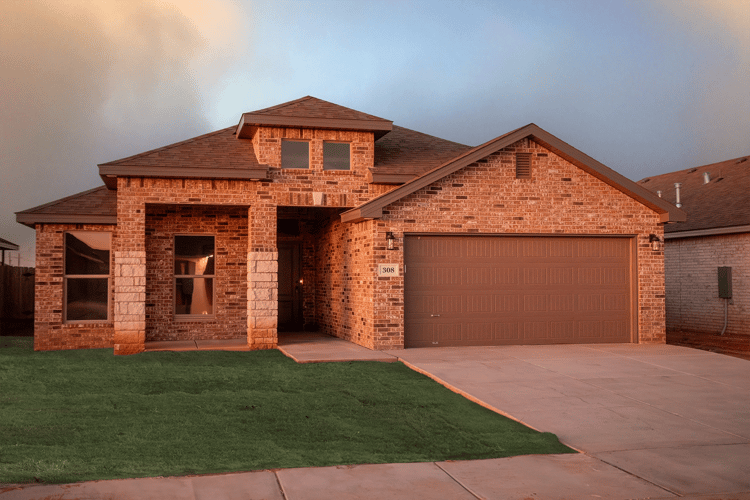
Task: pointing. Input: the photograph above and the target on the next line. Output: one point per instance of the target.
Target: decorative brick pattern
(693, 304)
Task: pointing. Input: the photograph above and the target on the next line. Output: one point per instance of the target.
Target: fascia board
(715, 231)
(172, 172)
(31, 219)
(248, 119)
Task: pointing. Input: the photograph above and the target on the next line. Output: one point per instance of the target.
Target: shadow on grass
(70, 416)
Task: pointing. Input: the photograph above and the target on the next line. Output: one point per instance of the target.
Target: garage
(514, 290)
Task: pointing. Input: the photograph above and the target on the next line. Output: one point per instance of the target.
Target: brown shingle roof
(217, 154)
(312, 107)
(722, 203)
(95, 206)
(406, 154)
(311, 112)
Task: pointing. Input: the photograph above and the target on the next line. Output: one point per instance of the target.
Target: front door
(290, 290)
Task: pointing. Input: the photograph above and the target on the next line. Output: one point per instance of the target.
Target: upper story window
(86, 273)
(194, 275)
(295, 154)
(336, 156)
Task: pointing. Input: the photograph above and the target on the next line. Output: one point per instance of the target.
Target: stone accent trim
(262, 299)
(130, 302)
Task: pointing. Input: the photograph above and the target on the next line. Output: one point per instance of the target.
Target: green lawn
(70, 416)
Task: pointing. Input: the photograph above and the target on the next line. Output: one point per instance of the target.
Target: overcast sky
(645, 87)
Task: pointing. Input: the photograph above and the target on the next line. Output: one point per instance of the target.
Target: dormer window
(295, 154)
(336, 156)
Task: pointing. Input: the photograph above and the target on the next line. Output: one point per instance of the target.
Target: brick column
(262, 278)
(130, 274)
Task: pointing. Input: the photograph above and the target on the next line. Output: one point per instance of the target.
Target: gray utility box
(725, 282)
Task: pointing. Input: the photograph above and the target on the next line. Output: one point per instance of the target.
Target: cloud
(88, 82)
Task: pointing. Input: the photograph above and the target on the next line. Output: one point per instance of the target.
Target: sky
(645, 87)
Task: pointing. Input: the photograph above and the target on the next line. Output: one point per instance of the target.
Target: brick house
(716, 234)
(309, 215)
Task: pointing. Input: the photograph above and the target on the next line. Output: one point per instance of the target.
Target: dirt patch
(731, 344)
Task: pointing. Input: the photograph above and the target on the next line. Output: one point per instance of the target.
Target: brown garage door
(501, 290)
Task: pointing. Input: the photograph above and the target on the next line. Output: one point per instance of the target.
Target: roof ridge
(61, 200)
(724, 163)
(164, 148)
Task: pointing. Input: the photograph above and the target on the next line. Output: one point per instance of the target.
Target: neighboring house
(717, 234)
(311, 215)
(6, 245)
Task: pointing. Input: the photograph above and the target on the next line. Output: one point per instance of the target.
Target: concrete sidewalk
(531, 476)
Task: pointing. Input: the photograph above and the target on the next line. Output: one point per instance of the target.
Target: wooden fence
(16, 297)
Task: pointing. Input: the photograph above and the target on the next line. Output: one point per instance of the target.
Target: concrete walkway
(652, 422)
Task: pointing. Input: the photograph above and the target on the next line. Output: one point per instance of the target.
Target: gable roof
(311, 112)
(718, 207)
(373, 209)
(216, 155)
(95, 206)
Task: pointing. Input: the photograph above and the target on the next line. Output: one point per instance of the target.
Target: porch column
(130, 277)
(262, 277)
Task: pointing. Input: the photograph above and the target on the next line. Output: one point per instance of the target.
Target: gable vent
(523, 165)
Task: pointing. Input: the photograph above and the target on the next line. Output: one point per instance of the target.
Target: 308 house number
(388, 270)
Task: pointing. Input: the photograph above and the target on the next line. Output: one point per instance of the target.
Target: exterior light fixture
(655, 242)
(390, 239)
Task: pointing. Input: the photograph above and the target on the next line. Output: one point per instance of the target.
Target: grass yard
(69, 416)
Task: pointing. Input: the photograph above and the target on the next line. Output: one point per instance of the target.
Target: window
(194, 275)
(295, 154)
(87, 264)
(336, 156)
(523, 165)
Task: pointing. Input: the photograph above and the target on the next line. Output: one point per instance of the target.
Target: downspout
(726, 308)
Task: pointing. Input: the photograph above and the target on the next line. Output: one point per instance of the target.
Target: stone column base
(262, 339)
(129, 342)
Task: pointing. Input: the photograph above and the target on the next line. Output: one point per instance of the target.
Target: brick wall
(350, 301)
(693, 304)
(487, 198)
(345, 282)
(50, 331)
(228, 225)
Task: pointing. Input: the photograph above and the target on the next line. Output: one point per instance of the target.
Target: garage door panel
(464, 290)
(535, 303)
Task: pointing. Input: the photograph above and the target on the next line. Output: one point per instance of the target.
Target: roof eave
(714, 231)
(109, 174)
(250, 122)
(31, 219)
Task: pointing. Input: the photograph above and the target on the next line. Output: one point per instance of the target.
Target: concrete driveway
(673, 416)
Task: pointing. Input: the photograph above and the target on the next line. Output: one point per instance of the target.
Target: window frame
(297, 141)
(67, 277)
(349, 166)
(192, 317)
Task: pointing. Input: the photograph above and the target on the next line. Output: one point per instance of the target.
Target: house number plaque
(387, 269)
